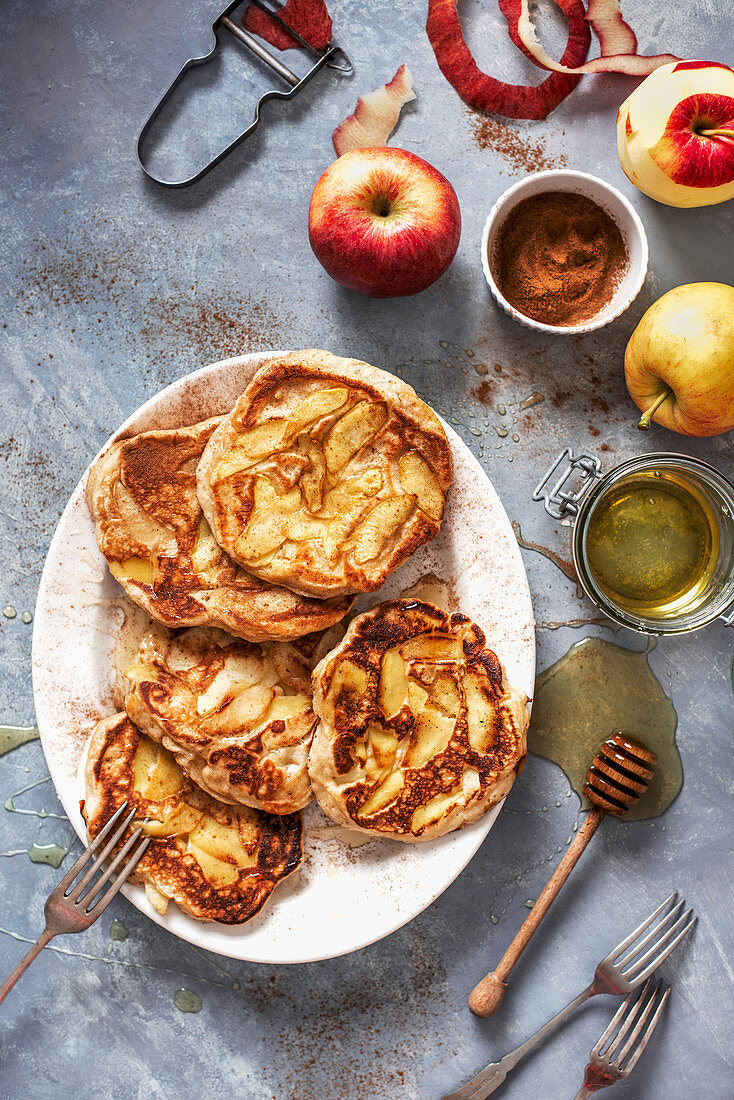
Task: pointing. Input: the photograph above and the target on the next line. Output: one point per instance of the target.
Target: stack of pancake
(246, 538)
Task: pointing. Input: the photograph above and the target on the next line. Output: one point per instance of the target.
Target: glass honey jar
(652, 539)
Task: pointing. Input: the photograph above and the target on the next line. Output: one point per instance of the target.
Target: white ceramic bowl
(618, 208)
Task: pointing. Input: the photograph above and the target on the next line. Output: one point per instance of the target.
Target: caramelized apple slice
(265, 531)
(479, 716)
(238, 673)
(349, 680)
(436, 808)
(384, 794)
(312, 481)
(314, 407)
(251, 446)
(246, 709)
(284, 707)
(445, 694)
(183, 819)
(384, 746)
(372, 534)
(432, 647)
(301, 527)
(394, 685)
(224, 842)
(351, 432)
(214, 870)
(352, 492)
(417, 697)
(350, 675)
(432, 734)
(134, 569)
(156, 775)
(416, 477)
(205, 553)
(359, 752)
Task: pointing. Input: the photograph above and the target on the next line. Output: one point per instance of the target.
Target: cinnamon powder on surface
(558, 258)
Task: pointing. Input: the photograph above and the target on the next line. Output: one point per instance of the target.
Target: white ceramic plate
(345, 895)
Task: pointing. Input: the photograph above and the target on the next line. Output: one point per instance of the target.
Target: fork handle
(487, 995)
(583, 1093)
(25, 962)
(489, 1079)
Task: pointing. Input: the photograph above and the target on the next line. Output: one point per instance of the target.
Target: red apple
(675, 134)
(384, 222)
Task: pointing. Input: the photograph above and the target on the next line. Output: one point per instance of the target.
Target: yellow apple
(675, 134)
(679, 362)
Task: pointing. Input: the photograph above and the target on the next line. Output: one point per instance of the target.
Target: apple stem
(644, 422)
(717, 133)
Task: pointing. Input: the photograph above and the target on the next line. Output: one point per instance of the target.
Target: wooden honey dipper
(618, 775)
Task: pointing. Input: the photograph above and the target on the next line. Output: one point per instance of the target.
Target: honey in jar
(652, 543)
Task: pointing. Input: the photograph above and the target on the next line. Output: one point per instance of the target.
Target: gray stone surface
(112, 288)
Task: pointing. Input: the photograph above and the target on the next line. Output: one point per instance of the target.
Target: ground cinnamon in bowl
(558, 258)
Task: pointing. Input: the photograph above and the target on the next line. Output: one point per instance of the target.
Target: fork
(623, 970)
(607, 1068)
(73, 908)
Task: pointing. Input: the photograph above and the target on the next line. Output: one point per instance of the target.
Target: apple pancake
(419, 732)
(236, 715)
(150, 527)
(327, 474)
(218, 863)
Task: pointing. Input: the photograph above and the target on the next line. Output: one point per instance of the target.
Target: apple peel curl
(617, 40)
(309, 18)
(615, 35)
(375, 116)
(486, 93)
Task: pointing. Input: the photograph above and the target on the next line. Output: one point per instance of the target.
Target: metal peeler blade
(332, 57)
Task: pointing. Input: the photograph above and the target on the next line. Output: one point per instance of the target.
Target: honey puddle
(595, 689)
(186, 1000)
(119, 931)
(12, 737)
(51, 854)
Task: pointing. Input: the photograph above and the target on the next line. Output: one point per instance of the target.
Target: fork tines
(647, 953)
(87, 894)
(640, 1010)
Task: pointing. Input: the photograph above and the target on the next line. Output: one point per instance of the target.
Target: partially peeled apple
(675, 134)
(679, 362)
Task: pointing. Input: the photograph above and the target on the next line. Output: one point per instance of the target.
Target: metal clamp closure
(727, 617)
(560, 503)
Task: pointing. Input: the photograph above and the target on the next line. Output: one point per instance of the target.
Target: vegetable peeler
(332, 57)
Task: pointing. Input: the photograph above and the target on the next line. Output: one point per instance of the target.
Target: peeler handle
(326, 58)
